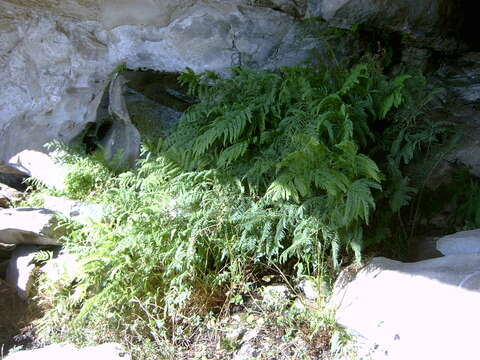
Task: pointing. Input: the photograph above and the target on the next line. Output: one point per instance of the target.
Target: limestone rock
(79, 211)
(40, 166)
(463, 242)
(294, 8)
(62, 268)
(108, 351)
(422, 310)
(313, 290)
(15, 181)
(428, 23)
(461, 78)
(211, 35)
(276, 296)
(50, 67)
(6, 250)
(28, 226)
(53, 61)
(122, 138)
(155, 101)
(459, 104)
(79, 9)
(9, 196)
(20, 270)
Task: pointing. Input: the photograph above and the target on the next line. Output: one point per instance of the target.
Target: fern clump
(305, 136)
(281, 169)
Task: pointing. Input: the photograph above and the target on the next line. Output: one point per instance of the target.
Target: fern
(290, 168)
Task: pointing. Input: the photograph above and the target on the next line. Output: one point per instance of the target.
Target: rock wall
(54, 58)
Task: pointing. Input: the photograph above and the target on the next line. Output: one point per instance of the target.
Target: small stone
(276, 296)
(246, 352)
(235, 334)
(309, 289)
(250, 335)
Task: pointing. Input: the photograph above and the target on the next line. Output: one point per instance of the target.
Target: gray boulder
(40, 166)
(422, 310)
(208, 35)
(20, 270)
(29, 226)
(464, 242)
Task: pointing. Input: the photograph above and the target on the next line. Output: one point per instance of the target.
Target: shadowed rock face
(434, 24)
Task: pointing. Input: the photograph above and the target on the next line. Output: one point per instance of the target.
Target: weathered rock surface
(28, 226)
(9, 196)
(464, 242)
(55, 57)
(461, 78)
(155, 101)
(20, 271)
(428, 23)
(458, 104)
(113, 131)
(15, 181)
(276, 296)
(50, 67)
(40, 166)
(79, 211)
(108, 351)
(422, 310)
(62, 268)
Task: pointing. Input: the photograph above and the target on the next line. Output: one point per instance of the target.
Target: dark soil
(12, 312)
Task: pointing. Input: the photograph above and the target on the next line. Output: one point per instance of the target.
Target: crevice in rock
(154, 101)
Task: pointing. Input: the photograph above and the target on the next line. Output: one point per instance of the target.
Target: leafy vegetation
(293, 169)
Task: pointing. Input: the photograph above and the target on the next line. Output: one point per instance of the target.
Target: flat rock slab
(464, 242)
(108, 351)
(422, 310)
(28, 226)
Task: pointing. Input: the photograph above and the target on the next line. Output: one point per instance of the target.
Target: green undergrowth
(298, 169)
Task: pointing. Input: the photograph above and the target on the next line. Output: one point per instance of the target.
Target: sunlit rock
(30, 226)
(422, 310)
